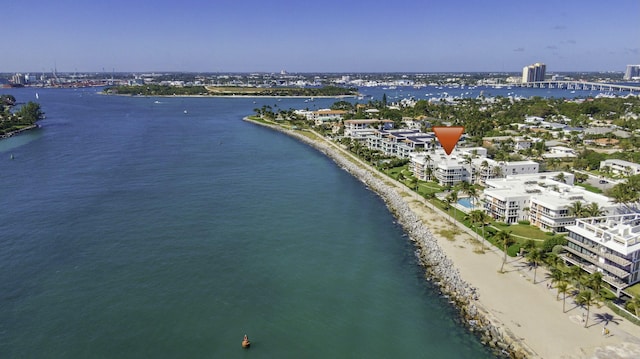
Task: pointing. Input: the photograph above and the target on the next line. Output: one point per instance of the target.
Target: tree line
(12, 120)
(166, 90)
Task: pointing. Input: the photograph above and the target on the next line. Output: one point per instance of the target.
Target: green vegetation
(12, 121)
(589, 187)
(536, 246)
(634, 290)
(527, 231)
(164, 90)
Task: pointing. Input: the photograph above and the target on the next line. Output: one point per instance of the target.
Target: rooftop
(618, 232)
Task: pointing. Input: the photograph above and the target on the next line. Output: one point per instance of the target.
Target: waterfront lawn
(527, 231)
(633, 290)
(394, 172)
(427, 188)
(589, 187)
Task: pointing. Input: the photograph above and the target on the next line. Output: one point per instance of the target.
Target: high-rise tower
(632, 71)
(533, 73)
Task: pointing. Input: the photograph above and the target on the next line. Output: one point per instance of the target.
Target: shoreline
(13, 133)
(510, 314)
(225, 96)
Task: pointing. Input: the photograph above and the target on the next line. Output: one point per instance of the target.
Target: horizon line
(311, 72)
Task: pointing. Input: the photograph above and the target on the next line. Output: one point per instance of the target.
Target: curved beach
(510, 312)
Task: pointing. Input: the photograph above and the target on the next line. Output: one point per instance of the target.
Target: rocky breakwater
(438, 266)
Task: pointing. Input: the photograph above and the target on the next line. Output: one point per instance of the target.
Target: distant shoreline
(225, 96)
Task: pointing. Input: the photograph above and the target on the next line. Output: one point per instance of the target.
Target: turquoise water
(465, 202)
(133, 230)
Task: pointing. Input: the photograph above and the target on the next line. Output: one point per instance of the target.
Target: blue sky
(319, 36)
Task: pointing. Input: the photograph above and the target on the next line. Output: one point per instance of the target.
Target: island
(25, 118)
(249, 91)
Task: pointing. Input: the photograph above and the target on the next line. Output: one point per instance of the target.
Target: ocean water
(130, 228)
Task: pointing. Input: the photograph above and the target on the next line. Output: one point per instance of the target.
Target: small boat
(185, 111)
(245, 342)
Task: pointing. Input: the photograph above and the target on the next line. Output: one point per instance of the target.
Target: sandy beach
(527, 314)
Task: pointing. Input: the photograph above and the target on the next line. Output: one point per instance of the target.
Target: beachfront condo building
(464, 165)
(447, 170)
(323, 116)
(543, 199)
(609, 245)
(401, 143)
(361, 129)
(534, 73)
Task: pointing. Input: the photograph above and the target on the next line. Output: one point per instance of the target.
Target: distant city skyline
(326, 36)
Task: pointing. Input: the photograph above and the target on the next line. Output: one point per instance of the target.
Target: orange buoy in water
(245, 342)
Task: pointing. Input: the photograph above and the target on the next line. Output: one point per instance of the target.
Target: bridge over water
(579, 85)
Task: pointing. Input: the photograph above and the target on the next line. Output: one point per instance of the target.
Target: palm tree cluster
(587, 288)
(579, 210)
(627, 193)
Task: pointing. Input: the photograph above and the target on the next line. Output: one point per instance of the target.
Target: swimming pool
(465, 202)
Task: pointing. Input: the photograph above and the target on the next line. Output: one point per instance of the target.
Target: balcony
(596, 250)
(594, 260)
(614, 258)
(591, 268)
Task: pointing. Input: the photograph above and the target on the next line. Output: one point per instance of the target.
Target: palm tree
(505, 240)
(556, 276)
(624, 194)
(429, 172)
(563, 287)
(576, 209)
(575, 273)
(560, 177)
(497, 171)
(534, 257)
(413, 183)
(585, 298)
(593, 210)
(595, 282)
(452, 198)
(529, 245)
(553, 260)
(477, 216)
(472, 192)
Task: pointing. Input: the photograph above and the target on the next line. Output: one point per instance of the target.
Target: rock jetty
(438, 267)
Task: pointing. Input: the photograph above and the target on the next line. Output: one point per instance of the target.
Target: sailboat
(37, 96)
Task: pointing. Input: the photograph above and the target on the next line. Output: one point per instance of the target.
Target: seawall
(438, 267)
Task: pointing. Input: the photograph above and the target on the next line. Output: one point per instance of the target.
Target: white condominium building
(620, 167)
(320, 117)
(609, 245)
(543, 199)
(400, 143)
(363, 128)
(448, 170)
(465, 164)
